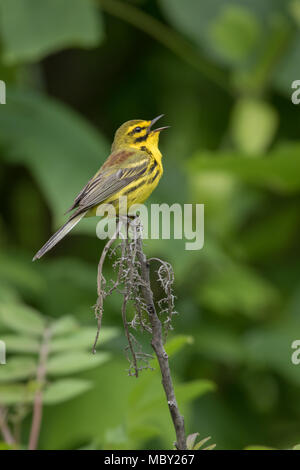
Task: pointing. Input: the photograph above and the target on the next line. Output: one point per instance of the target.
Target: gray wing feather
(96, 191)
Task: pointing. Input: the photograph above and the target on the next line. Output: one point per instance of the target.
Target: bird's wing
(119, 170)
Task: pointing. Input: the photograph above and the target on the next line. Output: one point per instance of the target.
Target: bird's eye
(137, 129)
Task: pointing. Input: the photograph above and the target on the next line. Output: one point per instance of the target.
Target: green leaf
(279, 171)
(264, 240)
(63, 390)
(254, 123)
(211, 447)
(32, 125)
(17, 368)
(64, 326)
(187, 392)
(8, 293)
(144, 432)
(19, 273)
(235, 32)
(71, 362)
(21, 318)
(238, 289)
(286, 70)
(201, 443)
(294, 8)
(219, 344)
(142, 387)
(73, 281)
(190, 440)
(225, 29)
(176, 343)
(13, 394)
(32, 29)
(116, 436)
(21, 344)
(81, 339)
(271, 348)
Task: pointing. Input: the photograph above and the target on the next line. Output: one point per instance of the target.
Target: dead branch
(162, 356)
(133, 273)
(100, 280)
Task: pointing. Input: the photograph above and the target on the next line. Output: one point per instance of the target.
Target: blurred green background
(221, 72)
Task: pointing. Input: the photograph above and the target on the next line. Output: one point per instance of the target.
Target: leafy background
(221, 71)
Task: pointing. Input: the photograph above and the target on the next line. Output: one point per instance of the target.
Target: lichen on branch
(132, 281)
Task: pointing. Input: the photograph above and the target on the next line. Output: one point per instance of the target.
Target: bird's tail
(61, 233)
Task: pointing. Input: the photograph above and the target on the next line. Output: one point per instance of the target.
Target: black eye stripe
(136, 129)
(142, 138)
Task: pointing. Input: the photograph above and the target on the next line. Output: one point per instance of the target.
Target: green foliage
(192, 445)
(67, 355)
(77, 24)
(227, 29)
(12, 394)
(254, 124)
(65, 389)
(79, 339)
(15, 272)
(19, 368)
(22, 319)
(240, 288)
(235, 33)
(33, 125)
(139, 412)
(71, 362)
(20, 344)
(267, 348)
(278, 172)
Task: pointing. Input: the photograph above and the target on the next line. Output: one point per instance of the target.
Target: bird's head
(138, 133)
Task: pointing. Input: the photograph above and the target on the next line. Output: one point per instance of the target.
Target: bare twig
(125, 301)
(38, 398)
(133, 274)
(166, 279)
(128, 336)
(162, 356)
(4, 428)
(100, 279)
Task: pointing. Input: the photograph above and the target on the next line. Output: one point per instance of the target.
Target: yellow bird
(133, 169)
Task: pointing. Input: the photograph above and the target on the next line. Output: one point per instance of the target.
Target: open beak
(154, 121)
